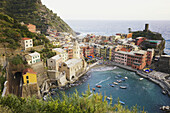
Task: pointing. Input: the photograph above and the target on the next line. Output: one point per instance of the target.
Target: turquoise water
(143, 93)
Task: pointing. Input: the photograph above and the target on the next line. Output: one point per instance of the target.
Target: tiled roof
(29, 70)
(26, 38)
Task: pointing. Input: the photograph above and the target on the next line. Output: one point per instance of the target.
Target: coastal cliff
(34, 12)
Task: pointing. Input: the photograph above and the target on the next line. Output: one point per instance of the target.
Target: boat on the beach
(123, 103)
(109, 98)
(112, 85)
(123, 87)
(98, 86)
(94, 89)
(140, 78)
(126, 77)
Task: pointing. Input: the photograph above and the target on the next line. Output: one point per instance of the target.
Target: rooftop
(28, 70)
(57, 57)
(34, 54)
(72, 62)
(26, 38)
(165, 56)
(59, 50)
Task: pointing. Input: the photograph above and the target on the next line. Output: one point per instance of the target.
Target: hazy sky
(110, 9)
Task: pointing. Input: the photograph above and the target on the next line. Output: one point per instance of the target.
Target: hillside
(11, 33)
(34, 12)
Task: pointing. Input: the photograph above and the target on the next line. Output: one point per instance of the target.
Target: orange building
(129, 35)
(31, 28)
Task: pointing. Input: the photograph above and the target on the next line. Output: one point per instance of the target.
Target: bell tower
(76, 50)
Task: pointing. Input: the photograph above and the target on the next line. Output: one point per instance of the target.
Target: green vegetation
(16, 60)
(11, 33)
(32, 11)
(149, 35)
(68, 104)
(46, 53)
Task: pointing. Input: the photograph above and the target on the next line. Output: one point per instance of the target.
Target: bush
(67, 104)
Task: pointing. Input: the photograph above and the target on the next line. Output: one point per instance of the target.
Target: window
(27, 81)
(26, 41)
(27, 77)
(26, 45)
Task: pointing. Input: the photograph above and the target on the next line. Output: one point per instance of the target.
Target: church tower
(76, 50)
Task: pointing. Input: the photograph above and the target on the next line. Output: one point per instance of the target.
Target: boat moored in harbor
(123, 87)
(98, 86)
(112, 85)
(115, 83)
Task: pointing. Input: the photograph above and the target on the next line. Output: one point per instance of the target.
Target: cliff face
(33, 11)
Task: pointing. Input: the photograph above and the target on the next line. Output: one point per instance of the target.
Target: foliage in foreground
(68, 104)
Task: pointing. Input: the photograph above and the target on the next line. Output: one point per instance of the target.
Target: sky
(110, 9)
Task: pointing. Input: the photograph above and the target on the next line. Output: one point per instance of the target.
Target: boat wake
(103, 81)
(103, 69)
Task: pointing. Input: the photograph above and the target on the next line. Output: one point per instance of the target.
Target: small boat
(126, 77)
(94, 89)
(122, 79)
(140, 78)
(112, 85)
(115, 83)
(98, 86)
(123, 103)
(119, 81)
(123, 87)
(119, 76)
(164, 92)
(109, 98)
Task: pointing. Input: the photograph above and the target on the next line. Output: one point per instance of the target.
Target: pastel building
(139, 40)
(30, 85)
(72, 68)
(54, 62)
(121, 57)
(29, 76)
(33, 58)
(31, 28)
(150, 54)
(134, 59)
(62, 53)
(26, 43)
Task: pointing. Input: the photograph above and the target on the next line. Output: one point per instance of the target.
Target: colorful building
(54, 62)
(150, 54)
(29, 77)
(139, 40)
(135, 59)
(26, 43)
(31, 28)
(33, 58)
(62, 53)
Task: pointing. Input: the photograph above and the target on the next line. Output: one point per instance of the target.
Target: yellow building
(29, 76)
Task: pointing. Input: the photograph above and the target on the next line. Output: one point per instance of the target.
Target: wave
(103, 81)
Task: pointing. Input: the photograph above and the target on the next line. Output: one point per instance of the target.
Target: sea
(142, 93)
(110, 27)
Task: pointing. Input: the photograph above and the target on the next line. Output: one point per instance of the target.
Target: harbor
(133, 91)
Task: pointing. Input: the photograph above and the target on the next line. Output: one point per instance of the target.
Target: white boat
(119, 81)
(123, 87)
(109, 98)
(140, 78)
(115, 83)
(126, 77)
